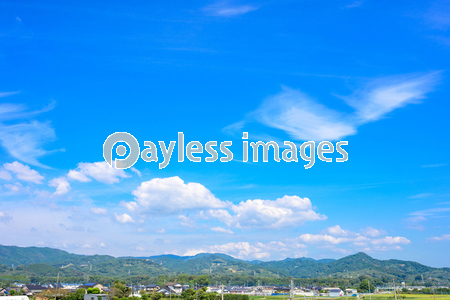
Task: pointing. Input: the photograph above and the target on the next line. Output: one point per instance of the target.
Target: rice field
(362, 297)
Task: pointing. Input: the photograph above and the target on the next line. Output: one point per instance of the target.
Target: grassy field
(373, 297)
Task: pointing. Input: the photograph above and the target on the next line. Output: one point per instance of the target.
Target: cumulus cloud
(15, 187)
(124, 218)
(336, 235)
(186, 221)
(372, 232)
(99, 211)
(61, 184)
(282, 212)
(389, 240)
(5, 175)
(338, 231)
(444, 237)
(76, 175)
(221, 230)
(172, 195)
(224, 9)
(319, 238)
(304, 118)
(24, 172)
(246, 250)
(100, 171)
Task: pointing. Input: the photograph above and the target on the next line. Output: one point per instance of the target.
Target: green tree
(93, 290)
(13, 292)
(364, 286)
(120, 290)
(188, 294)
(203, 280)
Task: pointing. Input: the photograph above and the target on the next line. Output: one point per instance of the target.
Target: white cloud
(75, 175)
(4, 217)
(303, 118)
(337, 236)
(24, 172)
(86, 246)
(338, 231)
(444, 237)
(420, 196)
(222, 230)
(5, 175)
(100, 171)
(61, 184)
(319, 238)
(136, 171)
(246, 250)
(172, 195)
(185, 221)
(387, 94)
(287, 211)
(124, 218)
(162, 230)
(223, 9)
(131, 206)
(372, 232)
(102, 245)
(139, 248)
(24, 141)
(16, 187)
(389, 240)
(99, 211)
(434, 165)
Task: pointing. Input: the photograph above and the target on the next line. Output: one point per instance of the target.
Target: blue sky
(373, 73)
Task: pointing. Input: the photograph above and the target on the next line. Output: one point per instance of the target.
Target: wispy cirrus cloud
(24, 140)
(434, 165)
(225, 9)
(304, 118)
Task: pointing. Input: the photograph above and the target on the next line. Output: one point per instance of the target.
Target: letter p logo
(133, 150)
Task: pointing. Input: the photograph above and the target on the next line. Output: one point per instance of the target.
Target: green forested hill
(35, 262)
(33, 255)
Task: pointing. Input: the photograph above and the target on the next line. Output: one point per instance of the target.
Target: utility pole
(368, 283)
(56, 290)
(291, 292)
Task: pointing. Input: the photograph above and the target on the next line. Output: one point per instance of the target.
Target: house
(54, 285)
(166, 291)
(351, 292)
(3, 292)
(172, 288)
(152, 288)
(33, 288)
(216, 289)
(96, 297)
(335, 292)
(93, 285)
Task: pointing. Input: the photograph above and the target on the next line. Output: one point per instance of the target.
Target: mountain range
(41, 262)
